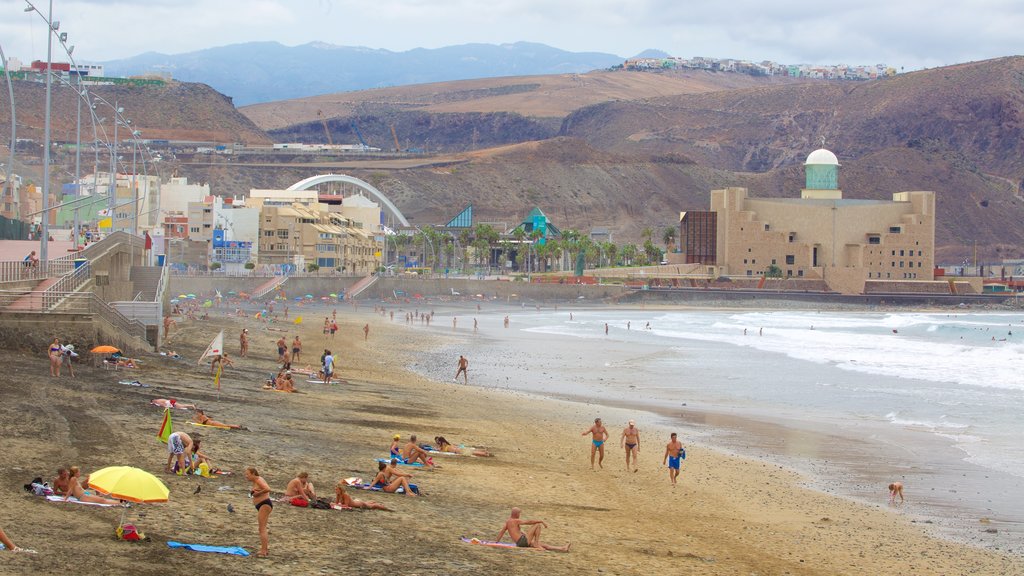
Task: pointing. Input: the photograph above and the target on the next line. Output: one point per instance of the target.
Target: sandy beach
(728, 515)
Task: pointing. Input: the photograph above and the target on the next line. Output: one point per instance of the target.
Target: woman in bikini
(202, 418)
(381, 481)
(55, 358)
(342, 498)
(264, 506)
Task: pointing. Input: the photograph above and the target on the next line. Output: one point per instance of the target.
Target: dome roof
(822, 156)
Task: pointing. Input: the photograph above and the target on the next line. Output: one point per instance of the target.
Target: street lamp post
(14, 134)
(44, 239)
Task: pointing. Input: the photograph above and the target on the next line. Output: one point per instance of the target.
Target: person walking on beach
(463, 364)
(243, 342)
(366, 331)
(260, 493)
(631, 442)
(168, 322)
(597, 440)
(529, 539)
(895, 489)
(328, 366)
(674, 452)
(606, 328)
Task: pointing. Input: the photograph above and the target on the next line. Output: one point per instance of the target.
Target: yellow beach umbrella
(128, 483)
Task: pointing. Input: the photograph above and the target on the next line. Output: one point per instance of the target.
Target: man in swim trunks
(296, 349)
(243, 342)
(529, 539)
(281, 348)
(463, 364)
(412, 453)
(328, 366)
(631, 442)
(178, 444)
(673, 454)
(600, 435)
(300, 487)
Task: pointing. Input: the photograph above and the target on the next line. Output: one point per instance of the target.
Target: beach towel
(340, 507)
(402, 462)
(316, 381)
(73, 500)
(233, 550)
(133, 383)
(493, 544)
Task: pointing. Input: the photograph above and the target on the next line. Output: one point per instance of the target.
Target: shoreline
(819, 450)
(730, 515)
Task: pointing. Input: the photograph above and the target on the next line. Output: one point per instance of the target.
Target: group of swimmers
(630, 441)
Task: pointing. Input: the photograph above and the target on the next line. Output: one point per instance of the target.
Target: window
(766, 227)
(789, 272)
(749, 273)
(799, 272)
(874, 240)
(194, 229)
(792, 236)
(282, 233)
(744, 260)
(790, 259)
(268, 233)
(901, 252)
(901, 263)
(918, 252)
(774, 262)
(893, 252)
(894, 230)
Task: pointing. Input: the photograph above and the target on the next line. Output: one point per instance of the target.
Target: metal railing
(85, 303)
(70, 282)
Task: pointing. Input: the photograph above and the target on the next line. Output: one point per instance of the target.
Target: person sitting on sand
(300, 488)
(381, 481)
(170, 403)
(76, 491)
(529, 539)
(62, 483)
(76, 476)
(395, 450)
(178, 445)
(200, 458)
(412, 453)
(342, 498)
(391, 470)
(202, 418)
(896, 488)
(285, 383)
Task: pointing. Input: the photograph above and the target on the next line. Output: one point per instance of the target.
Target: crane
(395, 136)
(320, 115)
(359, 135)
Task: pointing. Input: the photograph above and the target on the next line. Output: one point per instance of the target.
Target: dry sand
(728, 516)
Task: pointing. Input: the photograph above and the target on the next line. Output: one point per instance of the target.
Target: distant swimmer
(895, 489)
(599, 436)
(674, 452)
(631, 442)
(605, 327)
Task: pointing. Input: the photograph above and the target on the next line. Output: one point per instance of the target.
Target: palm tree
(669, 238)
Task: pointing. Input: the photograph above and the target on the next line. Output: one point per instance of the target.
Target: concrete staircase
(268, 287)
(34, 299)
(146, 282)
(360, 286)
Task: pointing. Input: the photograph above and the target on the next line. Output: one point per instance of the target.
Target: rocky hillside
(174, 111)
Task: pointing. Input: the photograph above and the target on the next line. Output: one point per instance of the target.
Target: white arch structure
(324, 178)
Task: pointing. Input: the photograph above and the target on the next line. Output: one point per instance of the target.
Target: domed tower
(821, 172)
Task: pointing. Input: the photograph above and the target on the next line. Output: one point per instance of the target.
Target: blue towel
(235, 550)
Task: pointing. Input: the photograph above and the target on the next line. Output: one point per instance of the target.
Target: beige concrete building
(821, 235)
(308, 234)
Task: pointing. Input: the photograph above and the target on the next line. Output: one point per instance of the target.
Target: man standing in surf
(597, 440)
(673, 454)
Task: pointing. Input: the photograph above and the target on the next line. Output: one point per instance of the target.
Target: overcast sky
(908, 33)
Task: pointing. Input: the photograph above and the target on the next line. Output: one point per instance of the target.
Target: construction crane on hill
(395, 136)
(320, 115)
(359, 135)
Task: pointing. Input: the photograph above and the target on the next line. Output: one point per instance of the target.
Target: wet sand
(728, 516)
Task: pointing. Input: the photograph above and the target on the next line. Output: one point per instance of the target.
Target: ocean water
(933, 399)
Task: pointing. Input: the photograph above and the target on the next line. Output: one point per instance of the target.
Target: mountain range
(268, 71)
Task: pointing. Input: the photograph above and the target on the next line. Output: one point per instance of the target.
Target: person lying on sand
(202, 418)
(62, 483)
(412, 453)
(76, 491)
(444, 445)
(529, 539)
(342, 498)
(381, 481)
(170, 403)
(300, 487)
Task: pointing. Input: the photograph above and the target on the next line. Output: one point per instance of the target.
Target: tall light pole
(44, 238)
(14, 133)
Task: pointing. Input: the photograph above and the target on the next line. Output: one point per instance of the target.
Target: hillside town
(763, 68)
